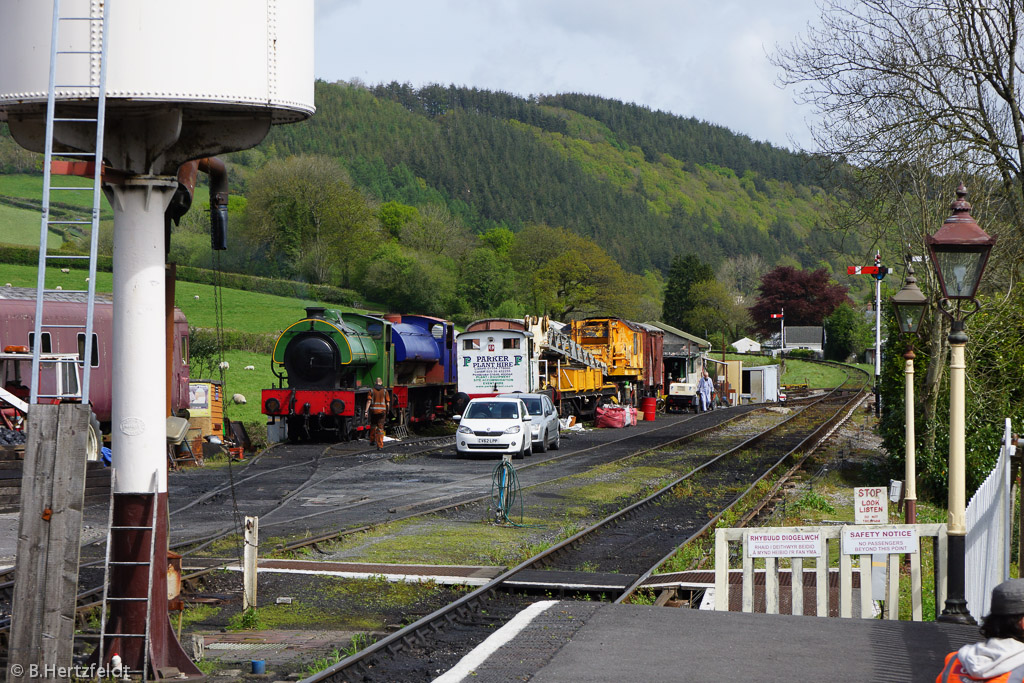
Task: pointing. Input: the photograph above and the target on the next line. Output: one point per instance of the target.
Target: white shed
(760, 384)
(746, 345)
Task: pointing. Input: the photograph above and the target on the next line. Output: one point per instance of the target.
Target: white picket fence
(821, 568)
(989, 527)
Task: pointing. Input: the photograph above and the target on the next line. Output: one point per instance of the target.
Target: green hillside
(615, 172)
(470, 203)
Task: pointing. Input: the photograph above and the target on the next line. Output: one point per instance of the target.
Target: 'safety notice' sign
(887, 540)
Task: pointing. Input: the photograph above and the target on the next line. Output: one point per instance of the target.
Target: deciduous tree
(807, 297)
(566, 275)
(847, 333)
(320, 224)
(715, 311)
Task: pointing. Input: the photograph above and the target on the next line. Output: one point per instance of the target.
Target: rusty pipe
(215, 168)
(182, 200)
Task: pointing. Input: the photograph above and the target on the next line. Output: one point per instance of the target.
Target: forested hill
(645, 185)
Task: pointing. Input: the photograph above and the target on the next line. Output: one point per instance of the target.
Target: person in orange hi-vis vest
(377, 410)
(1001, 656)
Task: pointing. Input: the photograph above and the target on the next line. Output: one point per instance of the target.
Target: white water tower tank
(221, 70)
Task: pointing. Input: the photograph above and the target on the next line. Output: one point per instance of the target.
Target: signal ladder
(123, 535)
(85, 39)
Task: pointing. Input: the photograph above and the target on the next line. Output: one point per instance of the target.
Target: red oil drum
(650, 406)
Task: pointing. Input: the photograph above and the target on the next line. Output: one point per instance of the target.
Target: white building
(746, 345)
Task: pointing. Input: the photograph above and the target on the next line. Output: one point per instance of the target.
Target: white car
(544, 426)
(494, 425)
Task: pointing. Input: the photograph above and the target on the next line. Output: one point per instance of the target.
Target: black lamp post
(959, 252)
(909, 304)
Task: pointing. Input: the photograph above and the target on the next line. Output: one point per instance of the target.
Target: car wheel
(543, 445)
(558, 441)
(529, 448)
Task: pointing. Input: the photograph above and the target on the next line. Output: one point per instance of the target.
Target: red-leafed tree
(807, 297)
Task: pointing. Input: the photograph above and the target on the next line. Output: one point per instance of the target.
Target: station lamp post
(959, 253)
(909, 304)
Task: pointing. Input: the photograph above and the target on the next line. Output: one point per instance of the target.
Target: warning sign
(891, 539)
(773, 543)
(870, 505)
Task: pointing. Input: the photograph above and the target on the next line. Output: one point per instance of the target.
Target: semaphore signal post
(878, 271)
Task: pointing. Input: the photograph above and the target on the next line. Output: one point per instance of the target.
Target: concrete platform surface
(599, 642)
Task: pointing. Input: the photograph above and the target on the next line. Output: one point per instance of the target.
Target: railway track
(632, 541)
(254, 470)
(87, 598)
(445, 495)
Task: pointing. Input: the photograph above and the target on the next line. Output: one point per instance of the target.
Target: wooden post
(252, 543)
(49, 536)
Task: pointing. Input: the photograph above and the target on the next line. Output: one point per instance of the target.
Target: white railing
(821, 569)
(987, 561)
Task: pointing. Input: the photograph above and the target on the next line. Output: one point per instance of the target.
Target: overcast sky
(702, 58)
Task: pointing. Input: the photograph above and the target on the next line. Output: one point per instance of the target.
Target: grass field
(21, 226)
(797, 371)
(31, 187)
(243, 311)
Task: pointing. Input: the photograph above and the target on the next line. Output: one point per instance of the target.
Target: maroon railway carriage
(17, 323)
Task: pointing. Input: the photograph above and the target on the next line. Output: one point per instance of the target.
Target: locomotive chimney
(315, 312)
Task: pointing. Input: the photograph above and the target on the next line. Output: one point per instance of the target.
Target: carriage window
(94, 359)
(184, 350)
(437, 331)
(470, 344)
(636, 345)
(512, 343)
(595, 330)
(46, 348)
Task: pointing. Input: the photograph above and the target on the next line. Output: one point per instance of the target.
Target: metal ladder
(96, 53)
(107, 598)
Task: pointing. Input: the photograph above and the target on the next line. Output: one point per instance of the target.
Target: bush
(801, 354)
(257, 431)
(203, 352)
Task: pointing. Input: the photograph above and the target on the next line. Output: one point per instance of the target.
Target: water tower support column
(139, 437)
